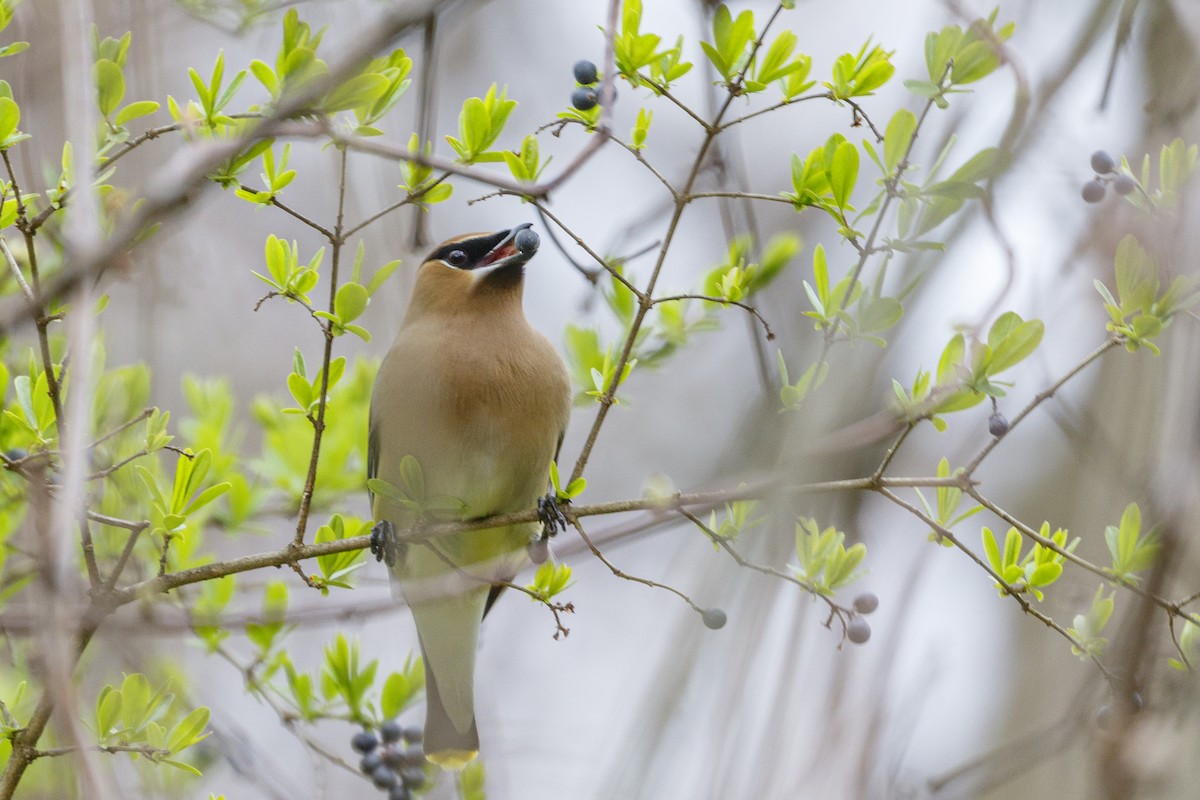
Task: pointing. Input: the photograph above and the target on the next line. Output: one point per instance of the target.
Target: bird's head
(475, 269)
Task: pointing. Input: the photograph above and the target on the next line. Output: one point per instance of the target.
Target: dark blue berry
(997, 424)
(413, 778)
(398, 792)
(585, 72)
(1124, 184)
(527, 241)
(413, 735)
(413, 757)
(391, 731)
(866, 602)
(384, 778)
(1103, 163)
(858, 630)
(1093, 191)
(371, 762)
(393, 756)
(584, 98)
(364, 741)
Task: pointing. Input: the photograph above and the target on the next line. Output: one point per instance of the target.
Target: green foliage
(411, 494)
(1037, 568)
(825, 564)
(288, 276)
(593, 366)
(1088, 627)
(739, 515)
(572, 489)
(345, 679)
(549, 580)
(730, 46)
(826, 179)
(860, 74)
(525, 164)
(1189, 646)
(965, 375)
(925, 206)
(336, 567)
(471, 782)
(947, 499)
(137, 715)
(641, 129)
(260, 468)
(793, 395)
(635, 50)
(419, 183)
(1176, 164)
(275, 178)
(955, 56)
(480, 124)
(738, 278)
(6, 13)
(169, 513)
(1139, 312)
(1132, 550)
(306, 393)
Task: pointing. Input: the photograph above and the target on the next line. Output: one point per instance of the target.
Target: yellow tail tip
(452, 759)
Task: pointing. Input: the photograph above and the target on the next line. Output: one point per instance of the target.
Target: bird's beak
(516, 247)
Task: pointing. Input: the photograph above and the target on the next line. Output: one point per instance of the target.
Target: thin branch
(835, 610)
(625, 575)
(776, 107)
(1040, 398)
(310, 482)
(16, 271)
(275, 201)
(608, 398)
(722, 301)
(773, 198)
(1008, 590)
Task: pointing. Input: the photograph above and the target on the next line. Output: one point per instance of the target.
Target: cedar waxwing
(480, 400)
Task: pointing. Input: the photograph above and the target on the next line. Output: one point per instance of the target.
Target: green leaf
(140, 108)
(110, 84)
(189, 730)
(843, 173)
(350, 301)
(897, 138)
(358, 91)
(108, 711)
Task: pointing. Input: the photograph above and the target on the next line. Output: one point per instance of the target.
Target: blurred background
(956, 695)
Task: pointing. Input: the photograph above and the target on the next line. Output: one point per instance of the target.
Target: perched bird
(479, 400)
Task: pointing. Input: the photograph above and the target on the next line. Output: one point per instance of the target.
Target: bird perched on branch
(468, 409)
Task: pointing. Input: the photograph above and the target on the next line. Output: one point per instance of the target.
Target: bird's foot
(551, 516)
(383, 542)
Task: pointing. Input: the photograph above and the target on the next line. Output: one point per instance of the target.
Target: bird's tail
(445, 744)
(448, 628)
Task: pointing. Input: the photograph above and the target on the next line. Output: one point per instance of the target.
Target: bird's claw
(383, 542)
(552, 518)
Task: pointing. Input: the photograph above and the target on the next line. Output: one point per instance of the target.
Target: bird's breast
(481, 411)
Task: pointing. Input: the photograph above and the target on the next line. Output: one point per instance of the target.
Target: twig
(1007, 589)
(722, 301)
(292, 212)
(575, 523)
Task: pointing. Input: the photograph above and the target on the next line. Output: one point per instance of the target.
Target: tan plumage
(481, 400)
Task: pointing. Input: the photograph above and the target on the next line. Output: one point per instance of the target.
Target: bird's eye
(457, 258)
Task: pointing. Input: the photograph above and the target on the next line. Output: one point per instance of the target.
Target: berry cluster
(1104, 164)
(585, 97)
(858, 630)
(391, 767)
